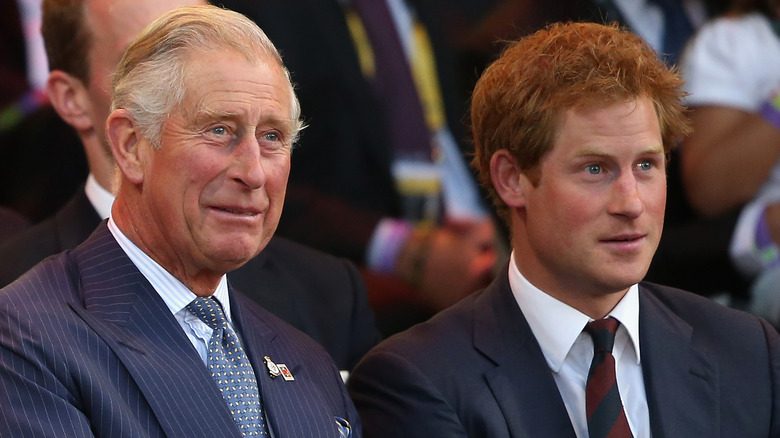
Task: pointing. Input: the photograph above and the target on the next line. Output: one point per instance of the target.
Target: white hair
(150, 80)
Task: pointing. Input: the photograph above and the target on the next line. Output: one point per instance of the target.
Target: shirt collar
(557, 325)
(100, 198)
(173, 292)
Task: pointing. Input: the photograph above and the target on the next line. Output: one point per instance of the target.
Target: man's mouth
(239, 211)
(624, 238)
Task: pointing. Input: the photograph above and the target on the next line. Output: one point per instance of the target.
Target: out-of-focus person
(730, 162)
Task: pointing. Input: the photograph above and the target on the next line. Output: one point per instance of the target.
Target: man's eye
(645, 165)
(219, 130)
(594, 169)
(271, 136)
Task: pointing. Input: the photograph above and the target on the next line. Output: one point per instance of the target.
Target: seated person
(137, 331)
(328, 302)
(572, 126)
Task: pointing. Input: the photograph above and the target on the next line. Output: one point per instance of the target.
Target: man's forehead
(239, 106)
(223, 79)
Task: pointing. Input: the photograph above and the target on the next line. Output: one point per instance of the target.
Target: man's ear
(125, 142)
(69, 98)
(509, 180)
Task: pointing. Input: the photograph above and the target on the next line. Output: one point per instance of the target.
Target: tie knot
(208, 310)
(602, 331)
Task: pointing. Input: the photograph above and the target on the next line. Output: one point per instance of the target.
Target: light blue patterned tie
(231, 369)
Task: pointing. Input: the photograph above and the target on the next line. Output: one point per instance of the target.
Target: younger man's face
(594, 220)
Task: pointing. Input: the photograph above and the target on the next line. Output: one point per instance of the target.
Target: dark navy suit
(476, 370)
(88, 348)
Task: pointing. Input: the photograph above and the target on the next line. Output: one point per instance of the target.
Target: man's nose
(247, 167)
(626, 197)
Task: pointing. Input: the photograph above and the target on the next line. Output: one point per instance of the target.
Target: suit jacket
(88, 348)
(341, 172)
(11, 223)
(321, 295)
(476, 370)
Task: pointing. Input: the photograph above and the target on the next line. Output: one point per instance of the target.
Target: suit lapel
(256, 336)
(681, 381)
(522, 382)
(124, 310)
(291, 406)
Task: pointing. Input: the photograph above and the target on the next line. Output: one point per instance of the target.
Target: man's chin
(620, 281)
(234, 256)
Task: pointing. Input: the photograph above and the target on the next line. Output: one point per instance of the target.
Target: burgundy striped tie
(606, 417)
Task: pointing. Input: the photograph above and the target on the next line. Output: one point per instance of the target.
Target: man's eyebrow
(653, 150)
(205, 114)
(602, 152)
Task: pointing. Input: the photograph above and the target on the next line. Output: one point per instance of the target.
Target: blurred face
(114, 25)
(215, 187)
(594, 219)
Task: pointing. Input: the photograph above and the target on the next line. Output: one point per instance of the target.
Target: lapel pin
(286, 374)
(273, 369)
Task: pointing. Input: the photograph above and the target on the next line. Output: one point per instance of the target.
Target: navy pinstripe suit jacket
(88, 348)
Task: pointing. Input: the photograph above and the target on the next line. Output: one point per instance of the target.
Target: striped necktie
(606, 417)
(231, 369)
(394, 83)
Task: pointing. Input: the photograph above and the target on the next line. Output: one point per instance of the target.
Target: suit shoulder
(43, 288)
(682, 301)
(703, 314)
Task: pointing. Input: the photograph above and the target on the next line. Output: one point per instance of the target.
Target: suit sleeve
(34, 401)
(394, 398)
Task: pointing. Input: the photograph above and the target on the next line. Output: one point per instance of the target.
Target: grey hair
(150, 80)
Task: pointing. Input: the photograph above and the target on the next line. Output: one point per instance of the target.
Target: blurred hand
(453, 261)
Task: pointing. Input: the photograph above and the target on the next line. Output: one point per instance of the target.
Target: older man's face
(216, 185)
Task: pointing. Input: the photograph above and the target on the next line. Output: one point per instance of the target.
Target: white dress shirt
(176, 296)
(568, 351)
(174, 293)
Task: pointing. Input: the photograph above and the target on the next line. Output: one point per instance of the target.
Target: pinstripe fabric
(87, 348)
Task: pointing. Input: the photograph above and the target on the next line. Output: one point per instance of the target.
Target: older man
(85, 40)
(572, 126)
(136, 332)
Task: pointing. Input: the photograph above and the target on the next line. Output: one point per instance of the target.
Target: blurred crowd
(381, 174)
